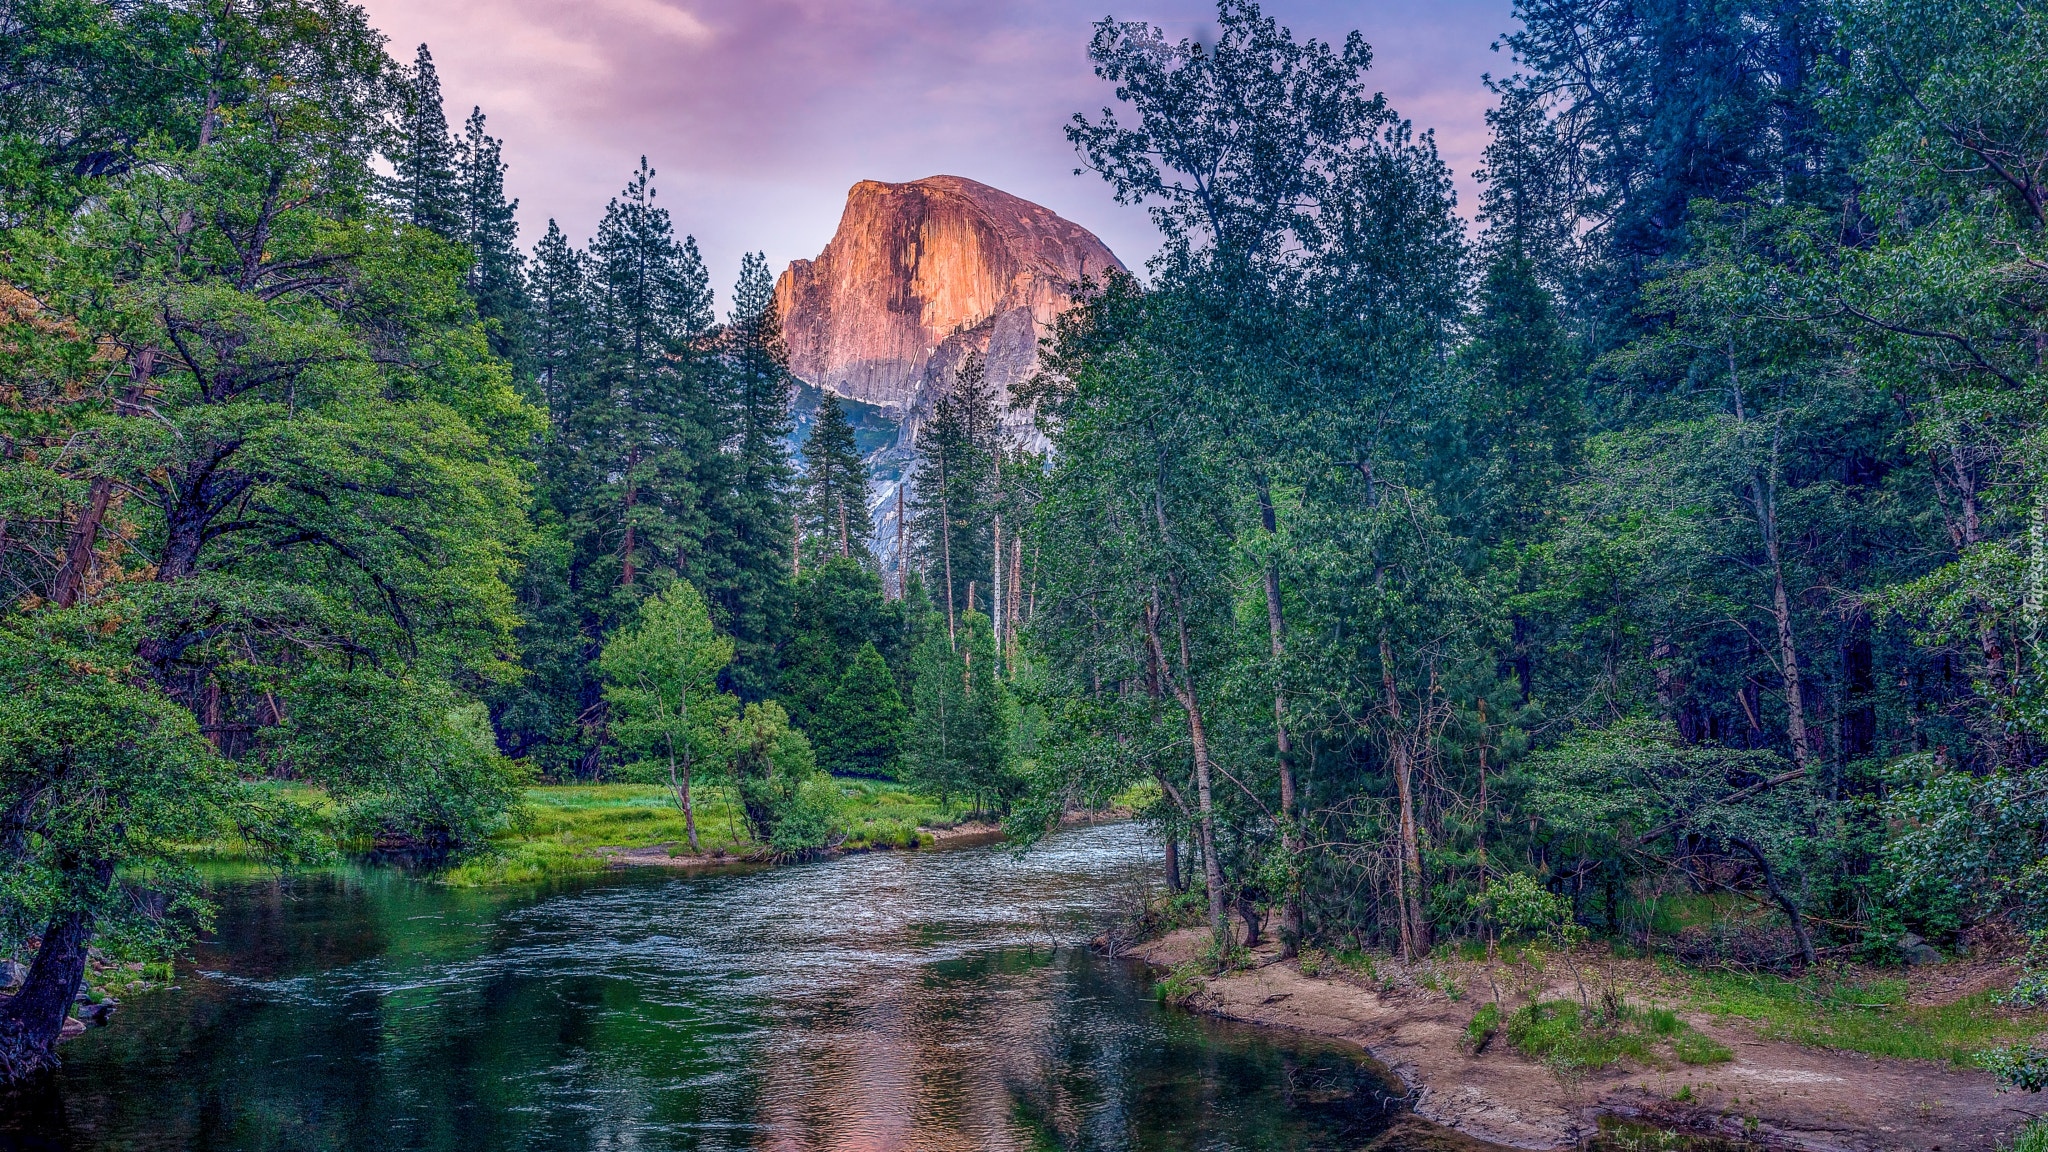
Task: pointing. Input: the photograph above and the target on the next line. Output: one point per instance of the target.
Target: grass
(560, 827)
(1570, 1039)
(1861, 1014)
(2032, 1138)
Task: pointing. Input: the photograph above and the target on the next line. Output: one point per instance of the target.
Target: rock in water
(921, 274)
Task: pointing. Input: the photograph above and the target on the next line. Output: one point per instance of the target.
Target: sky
(758, 115)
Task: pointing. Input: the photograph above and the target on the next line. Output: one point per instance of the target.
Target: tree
(425, 188)
(860, 727)
(661, 679)
(951, 532)
(497, 280)
(834, 506)
(744, 564)
(791, 806)
(295, 498)
(99, 774)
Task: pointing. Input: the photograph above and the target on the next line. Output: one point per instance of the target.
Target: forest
(1672, 525)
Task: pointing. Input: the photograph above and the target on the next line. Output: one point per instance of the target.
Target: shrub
(1485, 1024)
(1182, 984)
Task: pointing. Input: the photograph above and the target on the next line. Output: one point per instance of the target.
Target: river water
(907, 1000)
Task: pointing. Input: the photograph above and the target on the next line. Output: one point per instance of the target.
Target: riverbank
(569, 829)
(1776, 1062)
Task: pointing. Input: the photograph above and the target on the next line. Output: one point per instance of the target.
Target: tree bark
(1806, 951)
(32, 1020)
(78, 548)
(1763, 498)
(1415, 927)
(1276, 626)
(1212, 871)
(681, 785)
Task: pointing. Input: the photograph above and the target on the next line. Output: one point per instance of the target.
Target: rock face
(921, 274)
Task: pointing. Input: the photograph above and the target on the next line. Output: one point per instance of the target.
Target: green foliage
(1859, 1014)
(859, 730)
(1182, 984)
(957, 742)
(789, 804)
(1484, 1025)
(835, 490)
(2032, 1137)
(661, 674)
(1572, 1041)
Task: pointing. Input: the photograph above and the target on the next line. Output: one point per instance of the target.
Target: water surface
(915, 1000)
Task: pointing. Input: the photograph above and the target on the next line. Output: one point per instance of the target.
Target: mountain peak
(922, 272)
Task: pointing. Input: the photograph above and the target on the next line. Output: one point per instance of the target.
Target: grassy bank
(1858, 1010)
(560, 829)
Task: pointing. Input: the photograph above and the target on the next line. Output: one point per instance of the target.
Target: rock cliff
(921, 274)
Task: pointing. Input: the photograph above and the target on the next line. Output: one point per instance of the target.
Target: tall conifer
(424, 188)
(747, 548)
(835, 509)
(951, 529)
(497, 278)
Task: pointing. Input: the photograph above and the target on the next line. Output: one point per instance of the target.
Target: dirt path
(1775, 1093)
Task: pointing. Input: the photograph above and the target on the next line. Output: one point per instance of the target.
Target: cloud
(759, 114)
(680, 23)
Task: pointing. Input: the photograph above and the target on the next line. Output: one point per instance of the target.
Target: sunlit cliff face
(920, 273)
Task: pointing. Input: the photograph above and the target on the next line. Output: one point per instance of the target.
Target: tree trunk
(946, 548)
(1276, 626)
(1806, 951)
(1415, 927)
(845, 548)
(32, 1020)
(1764, 500)
(681, 784)
(1248, 909)
(1212, 871)
(78, 548)
(995, 574)
(1173, 881)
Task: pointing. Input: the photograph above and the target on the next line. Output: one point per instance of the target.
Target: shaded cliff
(920, 274)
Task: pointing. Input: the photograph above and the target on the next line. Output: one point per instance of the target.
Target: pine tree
(834, 509)
(745, 569)
(951, 528)
(497, 278)
(424, 189)
(647, 425)
(560, 329)
(859, 730)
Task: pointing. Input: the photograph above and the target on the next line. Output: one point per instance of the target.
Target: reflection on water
(887, 1001)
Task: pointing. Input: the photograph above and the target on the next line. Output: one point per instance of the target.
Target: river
(906, 1000)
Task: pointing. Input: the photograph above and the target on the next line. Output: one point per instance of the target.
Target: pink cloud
(759, 114)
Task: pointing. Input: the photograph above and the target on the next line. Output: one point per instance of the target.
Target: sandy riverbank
(1775, 1093)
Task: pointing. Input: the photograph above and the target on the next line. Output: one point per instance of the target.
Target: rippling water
(917, 1000)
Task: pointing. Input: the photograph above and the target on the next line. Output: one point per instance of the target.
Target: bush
(1484, 1025)
(1182, 984)
(807, 819)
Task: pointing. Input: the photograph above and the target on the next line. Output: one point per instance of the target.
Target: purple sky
(759, 114)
